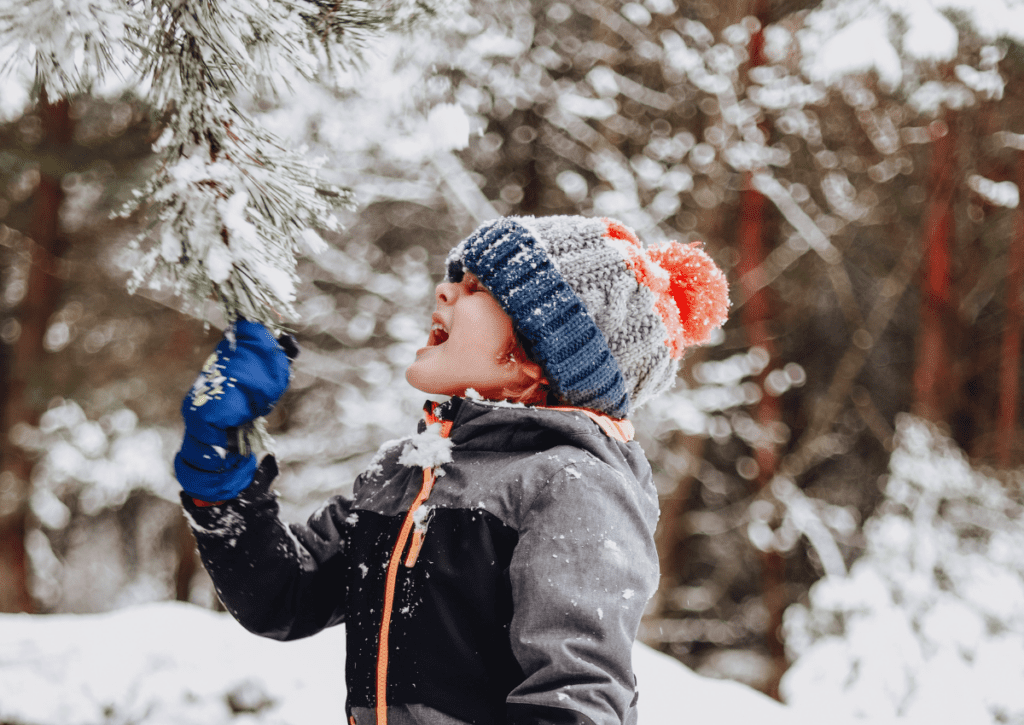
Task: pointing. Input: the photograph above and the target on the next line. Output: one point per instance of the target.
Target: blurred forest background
(856, 170)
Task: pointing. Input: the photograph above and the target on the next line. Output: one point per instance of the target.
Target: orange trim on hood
(615, 428)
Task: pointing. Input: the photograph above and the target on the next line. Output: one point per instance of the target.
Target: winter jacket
(520, 580)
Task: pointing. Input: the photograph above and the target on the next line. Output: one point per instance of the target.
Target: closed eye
(473, 285)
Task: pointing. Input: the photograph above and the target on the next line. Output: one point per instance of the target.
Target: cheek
(492, 330)
(496, 338)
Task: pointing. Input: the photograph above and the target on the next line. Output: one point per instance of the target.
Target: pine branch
(66, 47)
(229, 207)
(237, 206)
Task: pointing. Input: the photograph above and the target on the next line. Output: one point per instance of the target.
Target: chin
(414, 380)
(427, 386)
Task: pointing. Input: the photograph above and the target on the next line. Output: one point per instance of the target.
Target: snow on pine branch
(997, 193)
(229, 206)
(233, 214)
(64, 46)
(902, 43)
(234, 206)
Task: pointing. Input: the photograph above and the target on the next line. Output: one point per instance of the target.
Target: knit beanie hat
(606, 318)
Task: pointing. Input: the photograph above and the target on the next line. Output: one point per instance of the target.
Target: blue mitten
(241, 381)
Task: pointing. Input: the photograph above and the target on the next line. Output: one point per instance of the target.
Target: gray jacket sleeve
(582, 572)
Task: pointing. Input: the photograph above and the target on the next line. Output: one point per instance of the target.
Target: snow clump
(427, 449)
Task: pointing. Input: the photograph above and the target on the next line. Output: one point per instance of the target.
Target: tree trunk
(933, 378)
(756, 315)
(670, 533)
(22, 401)
(1009, 359)
(188, 562)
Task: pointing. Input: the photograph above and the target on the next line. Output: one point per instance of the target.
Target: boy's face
(468, 346)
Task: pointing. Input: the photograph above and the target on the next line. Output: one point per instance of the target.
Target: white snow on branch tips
(67, 47)
(1008, 139)
(899, 40)
(988, 83)
(427, 449)
(230, 206)
(998, 193)
(931, 97)
(312, 242)
(236, 210)
(929, 36)
(599, 108)
(861, 46)
(232, 229)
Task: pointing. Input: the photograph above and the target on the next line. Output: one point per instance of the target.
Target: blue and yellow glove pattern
(242, 380)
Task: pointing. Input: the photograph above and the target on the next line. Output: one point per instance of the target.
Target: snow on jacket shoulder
(520, 605)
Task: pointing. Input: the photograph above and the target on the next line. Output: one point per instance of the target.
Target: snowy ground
(177, 664)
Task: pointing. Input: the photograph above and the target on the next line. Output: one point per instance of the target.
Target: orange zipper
(392, 576)
(414, 546)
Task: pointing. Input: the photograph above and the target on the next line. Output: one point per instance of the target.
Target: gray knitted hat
(606, 318)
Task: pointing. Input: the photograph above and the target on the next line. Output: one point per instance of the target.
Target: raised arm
(278, 580)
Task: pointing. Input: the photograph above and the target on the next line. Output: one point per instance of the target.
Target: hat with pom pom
(606, 318)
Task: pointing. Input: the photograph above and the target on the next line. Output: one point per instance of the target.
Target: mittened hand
(242, 380)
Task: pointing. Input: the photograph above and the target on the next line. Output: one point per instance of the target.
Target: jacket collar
(481, 415)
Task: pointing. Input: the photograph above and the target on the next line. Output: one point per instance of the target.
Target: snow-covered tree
(227, 207)
(359, 310)
(930, 622)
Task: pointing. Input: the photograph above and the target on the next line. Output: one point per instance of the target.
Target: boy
(493, 568)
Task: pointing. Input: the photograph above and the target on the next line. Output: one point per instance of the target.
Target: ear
(533, 371)
(531, 385)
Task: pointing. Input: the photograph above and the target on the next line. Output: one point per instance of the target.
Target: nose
(447, 292)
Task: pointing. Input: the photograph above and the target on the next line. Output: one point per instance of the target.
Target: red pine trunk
(755, 316)
(19, 403)
(1009, 360)
(932, 373)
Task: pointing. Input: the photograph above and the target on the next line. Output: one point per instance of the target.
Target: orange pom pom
(692, 295)
(699, 290)
(618, 230)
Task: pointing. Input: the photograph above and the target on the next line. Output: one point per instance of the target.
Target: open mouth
(437, 334)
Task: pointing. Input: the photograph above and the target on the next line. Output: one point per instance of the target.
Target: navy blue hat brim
(560, 334)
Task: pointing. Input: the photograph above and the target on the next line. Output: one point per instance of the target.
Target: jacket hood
(480, 425)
